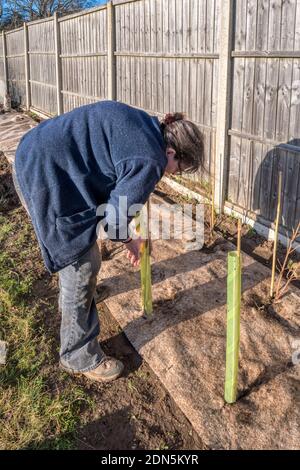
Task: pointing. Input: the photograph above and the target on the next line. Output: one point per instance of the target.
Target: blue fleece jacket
(69, 165)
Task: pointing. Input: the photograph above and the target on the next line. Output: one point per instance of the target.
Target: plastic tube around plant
(233, 326)
(142, 227)
(146, 279)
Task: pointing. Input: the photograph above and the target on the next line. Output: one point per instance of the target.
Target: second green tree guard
(233, 325)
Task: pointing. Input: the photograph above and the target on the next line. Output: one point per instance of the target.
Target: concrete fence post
(223, 103)
(27, 67)
(6, 98)
(58, 65)
(111, 62)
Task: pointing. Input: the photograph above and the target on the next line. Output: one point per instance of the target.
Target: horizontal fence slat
(167, 55)
(41, 52)
(254, 138)
(42, 83)
(78, 56)
(267, 54)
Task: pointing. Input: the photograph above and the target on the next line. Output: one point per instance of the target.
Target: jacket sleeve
(136, 180)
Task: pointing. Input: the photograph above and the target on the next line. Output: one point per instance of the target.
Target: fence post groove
(223, 100)
(5, 98)
(27, 67)
(111, 61)
(58, 65)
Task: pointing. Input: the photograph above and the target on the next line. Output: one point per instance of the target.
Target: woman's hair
(186, 139)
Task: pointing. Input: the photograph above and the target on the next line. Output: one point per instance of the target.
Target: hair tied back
(170, 118)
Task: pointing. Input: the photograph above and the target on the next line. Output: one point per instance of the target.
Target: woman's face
(172, 167)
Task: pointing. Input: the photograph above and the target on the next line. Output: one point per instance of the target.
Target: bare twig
(279, 264)
(291, 272)
(276, 236)
(239, 237)
(212, 222)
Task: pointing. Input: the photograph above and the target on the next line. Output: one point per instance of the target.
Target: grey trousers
(79, 347)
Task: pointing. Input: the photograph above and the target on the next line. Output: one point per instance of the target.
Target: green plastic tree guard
(142, 227)
(233, 326)
(146, 279)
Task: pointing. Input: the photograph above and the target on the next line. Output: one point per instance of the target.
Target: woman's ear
(170, 152)
(172, 166)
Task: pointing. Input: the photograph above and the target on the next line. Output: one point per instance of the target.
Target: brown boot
(109, 369)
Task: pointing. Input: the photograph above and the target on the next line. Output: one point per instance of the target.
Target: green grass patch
(33, 417)
(40, 406)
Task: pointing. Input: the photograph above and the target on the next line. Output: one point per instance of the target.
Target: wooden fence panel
(265, 108)
(42, 70)
(161, 60)
(2, 72)
(84, 58)
(16, 66)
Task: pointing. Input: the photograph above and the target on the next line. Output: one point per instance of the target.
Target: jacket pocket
(74, 235)
(75, 232)
(76, 220)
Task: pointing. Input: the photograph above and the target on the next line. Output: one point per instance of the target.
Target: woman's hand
(133, 251)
